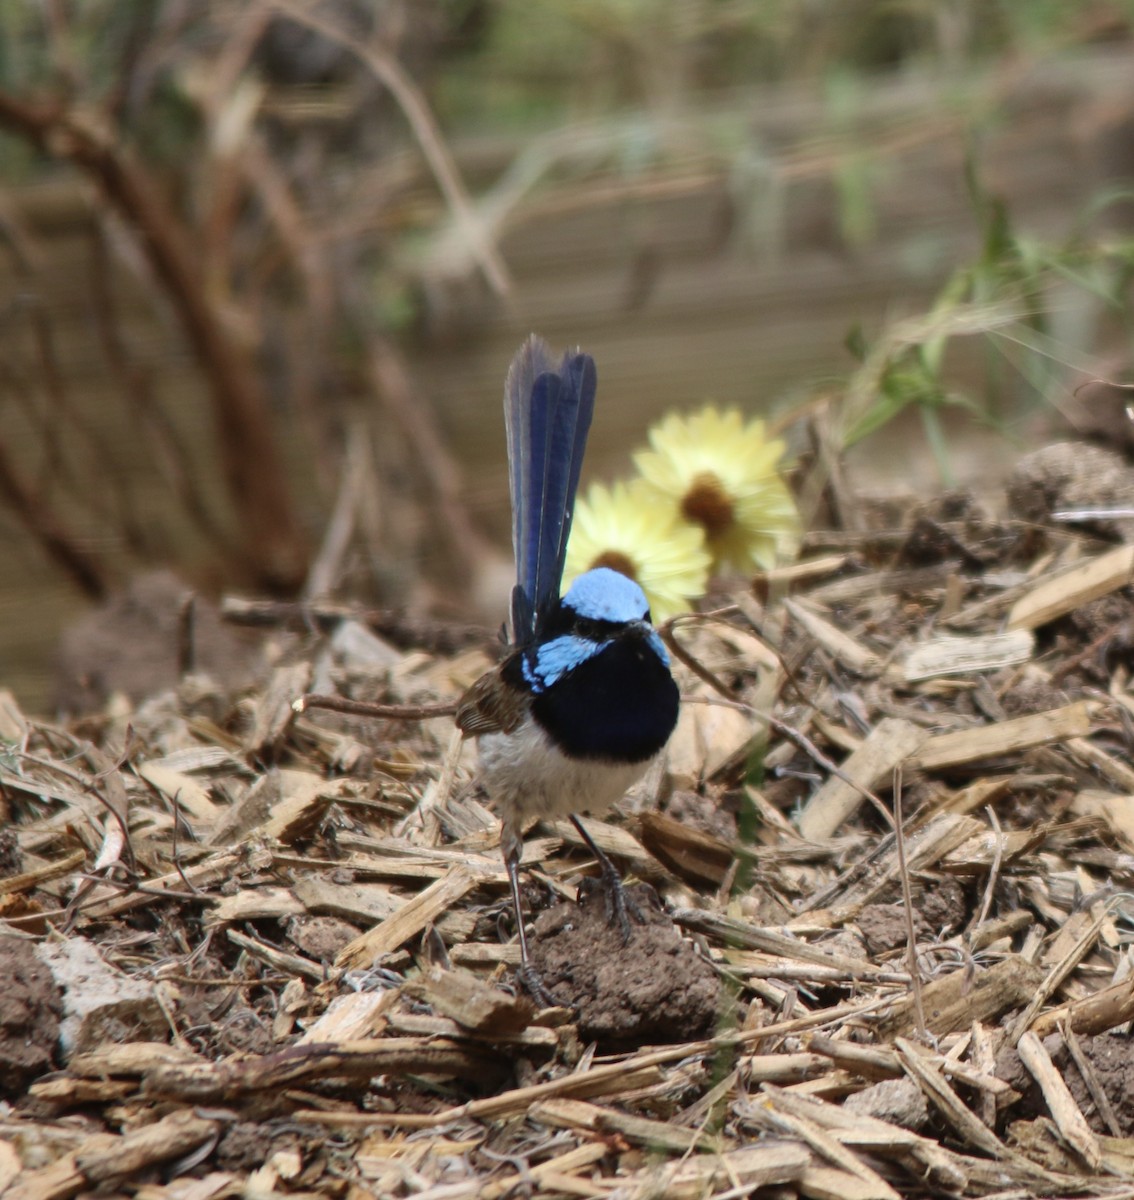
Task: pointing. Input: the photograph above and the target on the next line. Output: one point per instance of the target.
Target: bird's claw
(619, 904)
(530, 981)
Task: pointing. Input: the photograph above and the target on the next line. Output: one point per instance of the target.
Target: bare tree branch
(274, 548)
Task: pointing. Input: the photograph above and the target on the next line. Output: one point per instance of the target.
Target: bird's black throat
(618, 706)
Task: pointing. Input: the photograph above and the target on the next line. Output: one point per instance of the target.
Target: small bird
(584, 700)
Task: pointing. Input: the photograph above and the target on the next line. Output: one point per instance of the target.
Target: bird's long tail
(547, 415)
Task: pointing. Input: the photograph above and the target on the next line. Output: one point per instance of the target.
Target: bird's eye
(590, 629)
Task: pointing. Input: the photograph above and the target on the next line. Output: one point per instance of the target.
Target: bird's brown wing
(490, 706)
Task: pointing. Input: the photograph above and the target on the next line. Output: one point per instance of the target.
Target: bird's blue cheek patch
(555, 658)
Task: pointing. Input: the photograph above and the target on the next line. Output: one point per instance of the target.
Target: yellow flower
(625, 528)
(722, 475)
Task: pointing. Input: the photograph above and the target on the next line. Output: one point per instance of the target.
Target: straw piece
(846, 1172)
(880, 871)
(643, 1131)
(749, 1168)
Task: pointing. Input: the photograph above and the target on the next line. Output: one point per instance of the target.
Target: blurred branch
(48, 531)
(327, 565)
(413, 105)
(137, 389)
(61, 414)
(392, 383)
(274, 549)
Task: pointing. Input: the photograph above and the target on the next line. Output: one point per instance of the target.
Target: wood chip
(183, 790)
(1064, 1111)
(352, 1017)
(103, 1157)
(1102, 1010)
(303, 800)
(368, 902)
(967, 655)
(954, 1001)
(408, 921)
(25, 881)
(1004, 738)
(689, 852)
(274, 712)
(300, 1063)
(841, 646)
(474, 1004)
(829, 1183)
(891, 742)
(1054, 597)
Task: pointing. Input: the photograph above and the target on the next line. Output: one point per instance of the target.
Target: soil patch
(654, 988)
(30, 1010)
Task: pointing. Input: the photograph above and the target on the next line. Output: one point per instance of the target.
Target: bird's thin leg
(528, 975)
(619, 906)
(514, 883)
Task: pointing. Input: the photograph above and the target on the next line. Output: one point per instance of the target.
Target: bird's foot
(620, 905)
(530, 981)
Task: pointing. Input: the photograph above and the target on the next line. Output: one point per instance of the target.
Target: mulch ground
(250, 951)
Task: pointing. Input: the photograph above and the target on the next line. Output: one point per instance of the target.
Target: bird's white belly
(526, 775)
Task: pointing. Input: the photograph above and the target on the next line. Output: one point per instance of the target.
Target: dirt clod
(702, 812)
(321, 938)
(30, 1008)
(936, 909)
(244, 1146)
(1068, 476)
(1111, 1059)
(130, 645)
(655, 988)
(11, 860)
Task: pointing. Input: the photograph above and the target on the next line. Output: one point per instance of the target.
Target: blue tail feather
(547, 413)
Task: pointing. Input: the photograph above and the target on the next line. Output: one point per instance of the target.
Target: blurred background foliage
(265, 262)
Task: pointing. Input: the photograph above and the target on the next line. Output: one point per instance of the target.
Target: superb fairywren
(584, 701)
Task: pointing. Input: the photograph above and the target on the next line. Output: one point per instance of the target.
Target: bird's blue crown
(603, 594)
(600, 605)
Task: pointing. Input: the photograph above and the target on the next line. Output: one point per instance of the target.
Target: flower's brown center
(707, 504)
(616, 561)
